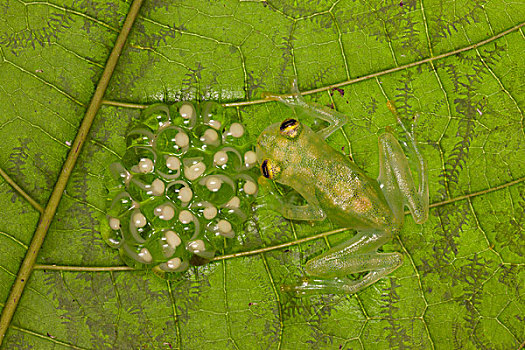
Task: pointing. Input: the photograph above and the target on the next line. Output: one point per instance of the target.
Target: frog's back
(345, 193)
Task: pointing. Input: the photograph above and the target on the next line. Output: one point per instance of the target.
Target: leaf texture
(456, 67)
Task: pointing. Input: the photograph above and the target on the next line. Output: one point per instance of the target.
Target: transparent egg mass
(183, 189)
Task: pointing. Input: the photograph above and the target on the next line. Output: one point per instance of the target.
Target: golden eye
(290, 128)
(269, 169)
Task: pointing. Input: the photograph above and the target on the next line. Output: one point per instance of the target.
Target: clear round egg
(184, 188)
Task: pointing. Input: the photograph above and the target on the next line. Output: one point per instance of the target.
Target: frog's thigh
(340, 267)
(398, 183)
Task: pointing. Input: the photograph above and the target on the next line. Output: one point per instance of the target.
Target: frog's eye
(290, 128)
(269, 169)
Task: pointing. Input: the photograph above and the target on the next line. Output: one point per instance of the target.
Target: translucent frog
(334, 187)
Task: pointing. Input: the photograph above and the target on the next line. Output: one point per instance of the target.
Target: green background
(462, 282)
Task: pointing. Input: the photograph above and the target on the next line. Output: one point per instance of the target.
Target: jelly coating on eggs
(183, 189)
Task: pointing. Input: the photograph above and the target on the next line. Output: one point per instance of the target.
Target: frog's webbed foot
(356, 255)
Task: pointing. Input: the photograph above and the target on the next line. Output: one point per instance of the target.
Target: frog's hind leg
(296, 101)
(396, 179)
(359, 254)
(343, 285)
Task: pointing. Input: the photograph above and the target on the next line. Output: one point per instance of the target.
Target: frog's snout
(262, 140)
(267, 136)
(264, 146)
(268, 142)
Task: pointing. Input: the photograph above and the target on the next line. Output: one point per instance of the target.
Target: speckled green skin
(131, 191)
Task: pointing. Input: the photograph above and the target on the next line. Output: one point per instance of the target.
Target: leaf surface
(458, 66)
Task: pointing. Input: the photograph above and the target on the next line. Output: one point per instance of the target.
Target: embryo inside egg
(190, 180)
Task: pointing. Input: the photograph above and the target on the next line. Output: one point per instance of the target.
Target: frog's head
(275, 146)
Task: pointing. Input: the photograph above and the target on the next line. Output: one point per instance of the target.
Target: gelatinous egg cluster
(184, 187)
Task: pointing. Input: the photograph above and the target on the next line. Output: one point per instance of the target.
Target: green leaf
(457, 65)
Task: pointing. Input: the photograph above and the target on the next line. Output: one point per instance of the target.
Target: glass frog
(334, 187)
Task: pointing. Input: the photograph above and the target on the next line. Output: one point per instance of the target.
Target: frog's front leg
(296, 101)
(286, 208)
(358, 254)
